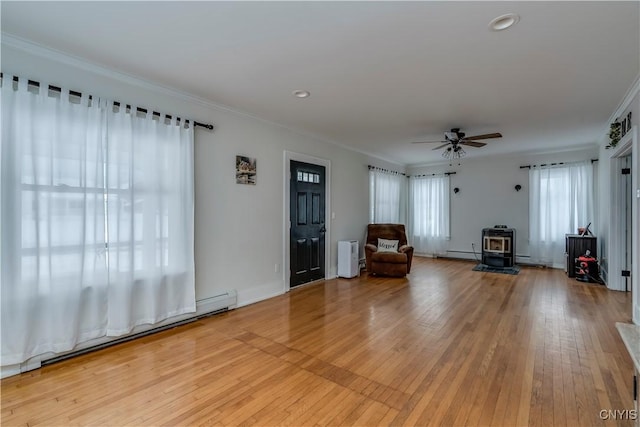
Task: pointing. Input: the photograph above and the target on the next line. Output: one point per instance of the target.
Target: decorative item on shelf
(614, 134)
(626, 125)
(518, 187)
(584, 231)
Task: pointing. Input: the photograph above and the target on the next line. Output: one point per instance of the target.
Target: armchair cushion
(389, 257)
(385, 245)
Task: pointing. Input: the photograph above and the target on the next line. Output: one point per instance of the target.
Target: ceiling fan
(455, 139)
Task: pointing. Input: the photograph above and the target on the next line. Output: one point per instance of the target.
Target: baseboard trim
(260, 293)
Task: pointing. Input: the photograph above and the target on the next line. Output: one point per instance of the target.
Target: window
(97, 220)
(560, 201)
(429, 213)
(387, 197)
(310, 177)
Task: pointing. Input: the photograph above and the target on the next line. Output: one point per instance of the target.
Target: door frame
(286, 223)
(627, 145)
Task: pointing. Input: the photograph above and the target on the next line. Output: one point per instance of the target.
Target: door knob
(323, 229)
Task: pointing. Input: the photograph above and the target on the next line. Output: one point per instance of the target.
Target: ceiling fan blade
(443, 145)
(427, 142)
(485, 136)
(473, 143)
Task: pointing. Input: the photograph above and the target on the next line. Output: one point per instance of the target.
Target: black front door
(307, 205)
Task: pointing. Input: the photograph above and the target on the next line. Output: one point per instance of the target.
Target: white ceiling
(381, 74)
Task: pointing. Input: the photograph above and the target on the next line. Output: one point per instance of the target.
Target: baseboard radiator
(473, 256)
(204, 308)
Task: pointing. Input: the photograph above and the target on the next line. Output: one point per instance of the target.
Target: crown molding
(83, 64)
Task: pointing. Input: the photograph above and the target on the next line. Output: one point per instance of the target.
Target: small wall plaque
(245, 170)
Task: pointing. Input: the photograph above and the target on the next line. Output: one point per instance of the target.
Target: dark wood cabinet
(577, 245)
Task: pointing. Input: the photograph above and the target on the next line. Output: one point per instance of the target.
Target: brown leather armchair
(396, 264)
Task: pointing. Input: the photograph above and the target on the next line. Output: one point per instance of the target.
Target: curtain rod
(116, 103)
(434, 174)
(408, 176)
(552, 164)
(385, 170)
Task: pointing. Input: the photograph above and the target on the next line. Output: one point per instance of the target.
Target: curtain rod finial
(204, 125)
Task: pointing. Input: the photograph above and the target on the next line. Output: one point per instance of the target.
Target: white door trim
(627, 145)
(286, 225)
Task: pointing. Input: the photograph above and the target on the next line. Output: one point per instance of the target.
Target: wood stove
(498, 247)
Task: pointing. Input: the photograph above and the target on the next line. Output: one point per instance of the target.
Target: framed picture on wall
(245, 170)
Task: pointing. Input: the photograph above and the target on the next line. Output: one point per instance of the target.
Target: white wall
(488, 197)
(239, 228)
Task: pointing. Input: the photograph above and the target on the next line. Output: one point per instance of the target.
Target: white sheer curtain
(52, 225)
(150, 221)
(560, 200)
(429, 213)
(59, 282)
(387, 197)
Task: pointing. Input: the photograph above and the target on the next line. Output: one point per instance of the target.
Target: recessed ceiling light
(504, 21)
(301, 93)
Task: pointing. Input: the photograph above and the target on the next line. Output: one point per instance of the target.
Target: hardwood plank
(444, 346)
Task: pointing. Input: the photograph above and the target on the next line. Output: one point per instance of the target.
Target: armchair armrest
(368, 250)
(406, 249)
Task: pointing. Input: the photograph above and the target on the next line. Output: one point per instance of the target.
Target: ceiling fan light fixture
(453, 153)
(503, 22)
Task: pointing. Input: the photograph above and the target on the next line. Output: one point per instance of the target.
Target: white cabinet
(348, 258)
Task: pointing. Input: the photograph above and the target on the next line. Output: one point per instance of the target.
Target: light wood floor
(448, 346)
